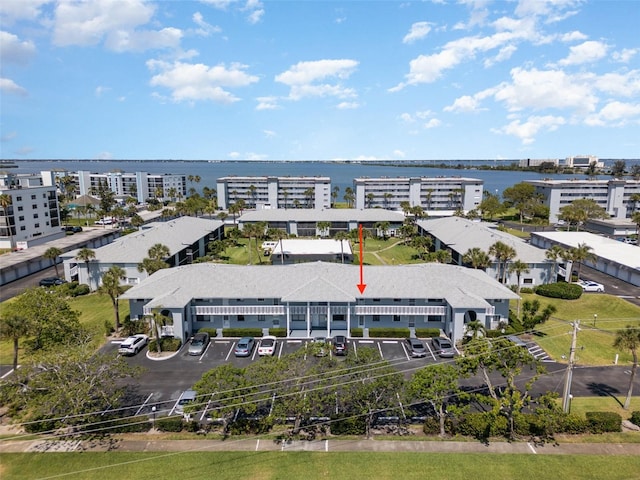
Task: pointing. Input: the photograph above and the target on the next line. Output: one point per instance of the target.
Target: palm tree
(111, 286)
(13, 327)
(349, 196)
(635, 200)
(252, 192)
(159, 320)
(86, 255)
(323, 228)
(477, 258)
(52, 253)
(582, 253)
(518, 267)
(308, 195)
(5, 202)
(635, 218)
(159, 252)
(475, 328)
(382, 228)
(370, 196)
(629, 339)
(554, 253)
(502, 253)
(334, 195)
(387, 198)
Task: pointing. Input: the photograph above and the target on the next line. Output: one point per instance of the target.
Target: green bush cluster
(564, 290)
(526, 290)
(250, 426)
(389, 332)
(635, 418)
(427, 332)
(128, 425)
(213, 332)
(167, 344)
(170, 424)
(278, 332)
(357, 332)
(601, 422)
(482, 425)
(242, 332)
(75, 289)
(348, 426)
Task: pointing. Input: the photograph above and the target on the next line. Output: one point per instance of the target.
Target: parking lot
(165, 379)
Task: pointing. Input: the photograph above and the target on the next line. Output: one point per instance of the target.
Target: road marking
(532, 448)
(229, 354)
(257, 445)
(390, 341)
(326, 445)
(143, 405)
(365, 341)
(380, 350)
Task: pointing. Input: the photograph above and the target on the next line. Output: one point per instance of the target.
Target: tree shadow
(603, 390)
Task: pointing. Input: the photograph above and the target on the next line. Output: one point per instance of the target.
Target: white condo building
(612, 195)
(32, 215)
(140, 185)
(275, 192)
(436, 195)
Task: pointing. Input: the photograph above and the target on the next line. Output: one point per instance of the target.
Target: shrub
(242, 332)
(601, 422)
(170, 424)
(389, 332)
(566, 291)
(572, 424)
(127, 425)
(635, 418)
(431, 426)
(348, 426)
(250, 426)
(278, 332)
(213, 332)
(427, 332)
(526, 290)
(167, 344)
(357, 332)
(482, 425)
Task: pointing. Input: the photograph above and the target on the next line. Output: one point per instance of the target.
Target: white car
(267, 345)
(133, 344)
(589, 286)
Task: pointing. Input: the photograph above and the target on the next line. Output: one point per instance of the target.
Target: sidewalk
(262, 445)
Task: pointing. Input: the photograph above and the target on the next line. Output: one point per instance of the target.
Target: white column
(328, 319)
(348, 319)
(288, 311)
(308, 319)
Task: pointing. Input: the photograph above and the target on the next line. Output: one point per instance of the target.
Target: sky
(319, 80)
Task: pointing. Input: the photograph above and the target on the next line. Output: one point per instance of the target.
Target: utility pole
(566, 396)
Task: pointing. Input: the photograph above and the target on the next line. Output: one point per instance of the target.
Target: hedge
(242, 332)
(427, 332)
(278, 332)
(213, 332)
(635, 418)
(601, 422)
(389, 332)
(167, 344)
(564, 290)
(348, 426)
(482, 425)
(170, 424)
(357, 332)
(137, 424)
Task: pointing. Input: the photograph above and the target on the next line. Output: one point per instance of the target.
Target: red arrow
(361, 285)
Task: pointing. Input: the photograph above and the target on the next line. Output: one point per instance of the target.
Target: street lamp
(153, 412)
(595, 317)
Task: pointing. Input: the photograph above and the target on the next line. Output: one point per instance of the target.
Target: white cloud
(267, 103)
(542, 89)
(399, 154)
(7, 137)
(100, 90)
(269, 133)
(117, 23)
(302, 78)
(10, 87)
(432, 123)
(418, 31)
(625, 84)
(464, 104)
(12, 10)
(192, 82)
(12, 50)
(625, 55)
(233, 154)
(527, 131)
(205, 29)
(253, 8)
(587, 52)
(615, 114)
(104, 155)
(348, 105)
(503, 55)
(572, 36)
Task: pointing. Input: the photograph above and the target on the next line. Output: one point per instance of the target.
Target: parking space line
(532, 448)
(404, 349)
(144, 404)
(426, 344)
(380, 350)
(229, 353)
(389, 341)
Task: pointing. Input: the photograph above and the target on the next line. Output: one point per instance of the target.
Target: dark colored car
(443, 347)
(416, 347)
(199, 343)
(340, 345)
(76, 229)
(244, 347)
(51, 282)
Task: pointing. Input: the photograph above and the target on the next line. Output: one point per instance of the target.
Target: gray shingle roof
(330, 215)
(174, 234)
(318, 281)
(462, 234)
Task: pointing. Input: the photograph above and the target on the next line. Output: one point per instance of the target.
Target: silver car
(244, 347)
(199, 343)
(443, 347)
(416, 347)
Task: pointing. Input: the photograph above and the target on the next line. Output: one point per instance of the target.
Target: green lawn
(581, 405)
(595, 343)
(314, 465)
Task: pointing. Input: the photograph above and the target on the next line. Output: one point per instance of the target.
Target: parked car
(51, 282)
(199, 343)
(186, 397)
(267, 345)
(590, 286)
(68, 229)
(416, 347)
(340, 345)
(76, 229)
(443, 347)
(104, 221)
(319, 347)
(244, 347)
(133, 344)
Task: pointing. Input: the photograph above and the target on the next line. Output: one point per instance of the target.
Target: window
(527, 281)
(396, 318)
(397, 300)
(21, 218)
(20, 208)
(18, 199)
(261, 318)
(241, 318)
(34, 207)
(33, 197)
(339, 317)
(376, 318)
(376, 299)
(37, 225)
(35, 215)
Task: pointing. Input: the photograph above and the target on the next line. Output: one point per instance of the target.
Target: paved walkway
(261, 445)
